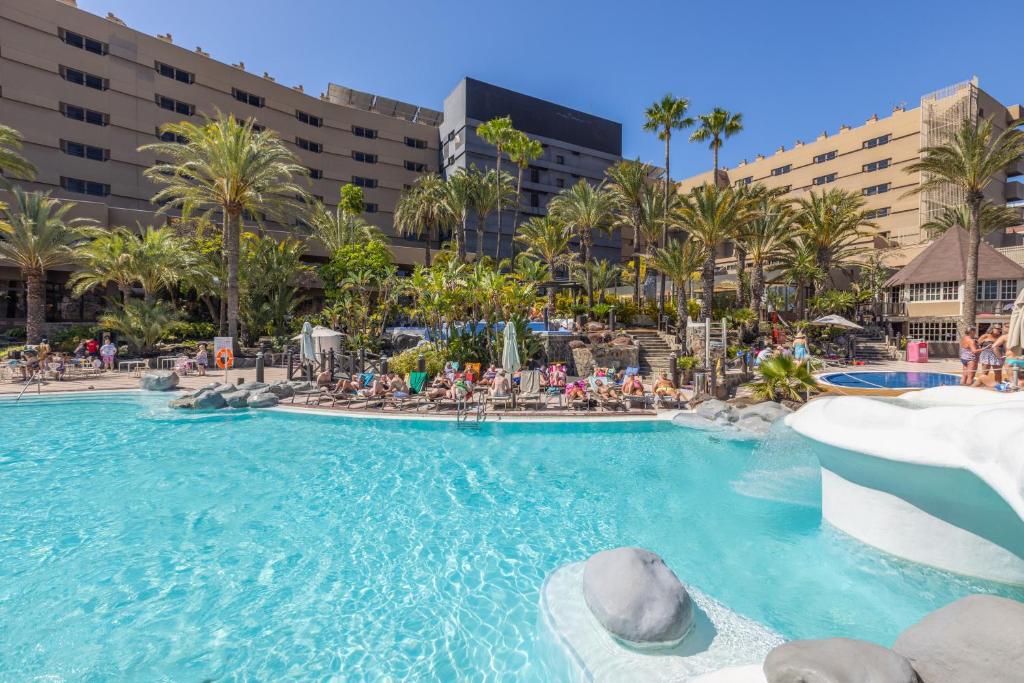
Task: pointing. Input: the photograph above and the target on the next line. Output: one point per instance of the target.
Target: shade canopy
(1015, 331)
(836, 321)
(510, 354)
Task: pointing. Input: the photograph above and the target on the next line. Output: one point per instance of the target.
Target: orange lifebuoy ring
(225, 359)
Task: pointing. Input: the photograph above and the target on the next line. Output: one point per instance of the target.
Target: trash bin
(917, 351)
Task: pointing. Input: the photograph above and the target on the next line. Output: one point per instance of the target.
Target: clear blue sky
(792, 68)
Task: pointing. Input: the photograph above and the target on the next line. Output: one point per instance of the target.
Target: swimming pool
(855, 379)
(138, 543)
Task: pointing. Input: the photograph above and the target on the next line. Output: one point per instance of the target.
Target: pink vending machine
(917, 351)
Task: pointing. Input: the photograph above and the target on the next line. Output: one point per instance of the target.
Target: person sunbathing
(500, 386)
(348, 386)
(324, 379)
(632, 386)
(577, 391)
(439, 387)
(488, 377)
(397, 386)
(664, 388)
(607, 391)
(556, 377)
(378, 389)
(461, 389)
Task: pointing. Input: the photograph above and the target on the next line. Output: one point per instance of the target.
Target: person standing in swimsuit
(969, 356)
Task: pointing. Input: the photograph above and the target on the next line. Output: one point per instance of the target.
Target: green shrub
(66, 339)
(688, 363)
(783, 378)
(184, 330)
(434, 355)
(467, 347)
(16, 333)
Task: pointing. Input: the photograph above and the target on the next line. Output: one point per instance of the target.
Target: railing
(994, 306)
(1014, 253)
(894, 308)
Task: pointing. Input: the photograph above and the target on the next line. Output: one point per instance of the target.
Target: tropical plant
(345, 225)
(784, 379)
(105, 259)
(229, 167)
(765, 239)
(141, 323)
(547, 241)
(158, 260)
(991, 218)
(11, 161)
(680, 261)
(460, 197)
(711, 215)
(270, 283)
(871, 279)
(422, 213)
(800, 269)
(833, 301)
(36, 236)
(835, 225)
(522, 150)
(500, 133)
(715, 128)
(583, 209)
(969, 161)
(598, 276)
(630, 181)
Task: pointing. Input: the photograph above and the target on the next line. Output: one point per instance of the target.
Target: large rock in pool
(281, 389)
(237, 399)
(636, 597)
(716, 410)
(977, 638)
(158, 380)
(252, 386)
(836, 660)
(208, 399)
(264, 399)
(183, 402)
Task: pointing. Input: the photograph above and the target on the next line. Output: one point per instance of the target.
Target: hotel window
(303, 117)
(361, 132)
(415, 166)
(309, 145)
(82, 114)
(876, 189)
(78, 149)
(944, 331)
(1008, 290)
(534, 200)
(168, 136)
(827, 156)
(933, 291)
(875, 142)
(315, 173)
(451, 160)
(168, 71)
(370, 207)
(534, 175)
(177, 106)
(364, 157)
(781, 170)
(989, 289)
(559, 182)
(248, 98)
(785, 188)
(825, 179)
(876, 165)
(877, 213)
(744, 181)
(83, 43)
(257, 128)
(82, 78)
(85, 186)
(559, 159)
(415, 142)
(360, 181)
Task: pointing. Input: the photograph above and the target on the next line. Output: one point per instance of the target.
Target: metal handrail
(39, 386)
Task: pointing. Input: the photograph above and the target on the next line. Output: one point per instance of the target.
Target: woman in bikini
(969, 356)
(993, 348)
(632, 386)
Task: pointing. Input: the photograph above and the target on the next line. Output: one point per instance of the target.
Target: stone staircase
(655, 352)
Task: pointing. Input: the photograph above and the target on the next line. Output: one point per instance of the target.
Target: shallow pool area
(865, 379)
(141, 543)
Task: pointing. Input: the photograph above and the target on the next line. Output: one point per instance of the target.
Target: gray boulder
(158, 380)
(225, 388)
(264, 399)
(237, 399)
(636, 597)
(977, 638)
(281, 390)
(183, 402)
(769, 411)
(208, 399)
(252, 386)
(836, 660)
(716, 411)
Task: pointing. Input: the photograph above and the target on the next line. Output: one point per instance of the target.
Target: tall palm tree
(680, 261)
(226, 167)
(36, 236)
(583, 209)
(663, 117)
(460, 197)
(105, 259)
(653, 218)
(835, 225)
(630, 181)
(11, 160)
(491, 190)
(992, 217)
(969, 161)
(546, 240)
(600, 276)
(521, 151)
(800, 268)
(765, 239)
(500, 133)
(715, 128)
(712, 216)
(157, 260)
(421, 211)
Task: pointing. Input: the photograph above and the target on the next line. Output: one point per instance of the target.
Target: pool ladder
(34, 379)
(470, 416)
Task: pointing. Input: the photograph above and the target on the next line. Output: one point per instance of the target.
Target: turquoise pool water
(862, 379)
(141, 544)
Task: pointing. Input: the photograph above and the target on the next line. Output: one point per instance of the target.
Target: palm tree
(36, 236)
(460, 198)
(229, 167)
(712, 216)
(341, 227)
(500, 133)
(800, 268)
(141, 323)
(546, 240)
(784, 379)
(969, 161)
(765, 239)
(11, 160)
(583, 209)
(680, 261)
(421, 211)
(599, 275)
(630, 181)
(157, 259)
(106, 259)
(490, 191)
(991, 218)
(715, 128)
(833, 224)
(662, 118)
(521, 151)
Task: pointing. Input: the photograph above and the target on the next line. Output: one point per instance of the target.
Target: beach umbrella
(307, 348)
(836, 321)
(510, 354)
(1015, 335)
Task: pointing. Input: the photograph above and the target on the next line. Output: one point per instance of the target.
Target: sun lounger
(529, 388)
